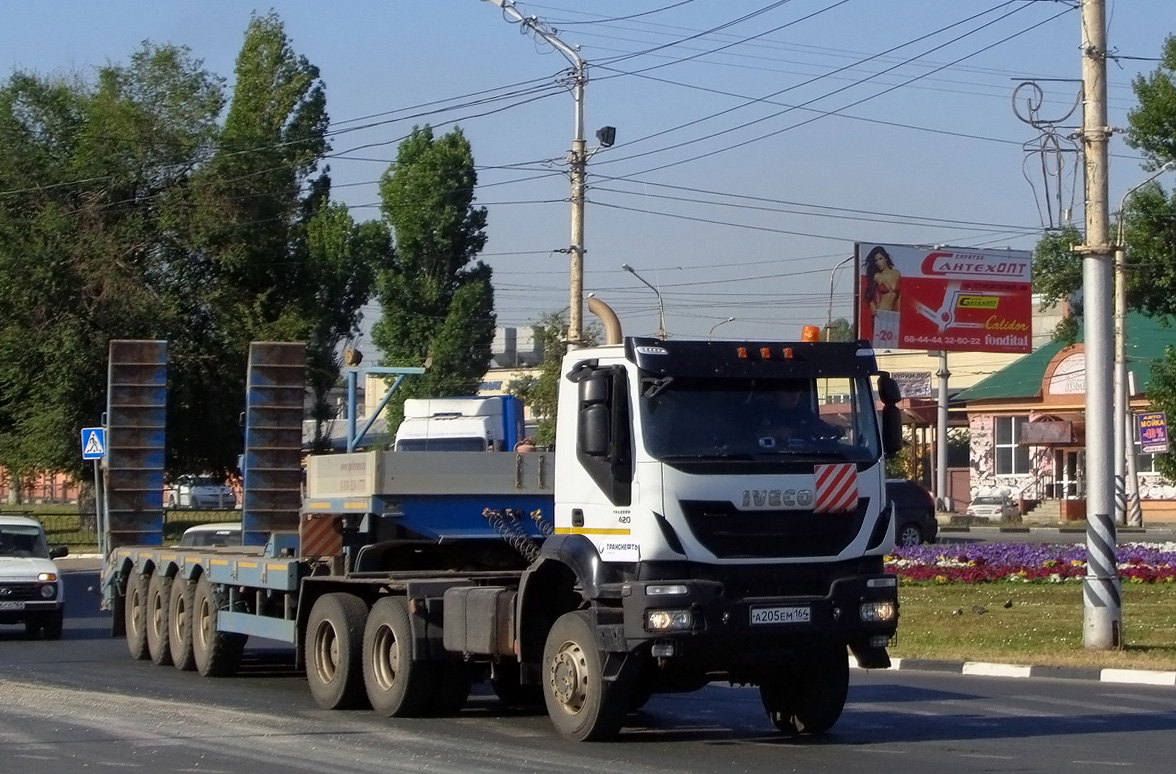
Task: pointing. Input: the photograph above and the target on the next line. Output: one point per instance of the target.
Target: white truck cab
(31, 590)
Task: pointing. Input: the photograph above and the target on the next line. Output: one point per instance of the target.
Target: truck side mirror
(888, 389)
(593, 430)
(891, 430)
(594, 416)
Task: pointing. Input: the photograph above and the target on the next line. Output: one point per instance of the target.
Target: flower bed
(1022, 563)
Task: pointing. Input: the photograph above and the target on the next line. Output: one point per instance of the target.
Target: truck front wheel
(808, 698)
(582, 706)
(334, 651)
(216, 653)
(397, 685)
(135, 612)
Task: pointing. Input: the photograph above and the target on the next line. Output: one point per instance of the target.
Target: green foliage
(437, 303)
(1057, 276)
(130, 211)
(1152, 128)
(840, 330)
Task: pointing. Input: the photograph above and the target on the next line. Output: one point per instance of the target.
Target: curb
(1102, 675)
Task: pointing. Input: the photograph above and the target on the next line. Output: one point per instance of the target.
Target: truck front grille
(730, 533)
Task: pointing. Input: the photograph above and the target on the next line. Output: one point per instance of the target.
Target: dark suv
(914, 512)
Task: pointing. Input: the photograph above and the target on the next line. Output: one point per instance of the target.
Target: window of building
(1012, 457)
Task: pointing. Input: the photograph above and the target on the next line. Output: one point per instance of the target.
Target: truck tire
(158, 599)
(334, 651)
(53, 623)
(179, 624)
(582, 706)
(216, 653)
(397, 685)
(809, 698)
(135, 615)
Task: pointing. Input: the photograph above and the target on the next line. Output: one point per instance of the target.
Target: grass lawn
(1032, 624)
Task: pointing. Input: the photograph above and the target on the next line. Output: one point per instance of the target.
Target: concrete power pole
(578, 161)
(1102, 603)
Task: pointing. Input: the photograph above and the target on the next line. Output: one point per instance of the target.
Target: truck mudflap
(697, 622)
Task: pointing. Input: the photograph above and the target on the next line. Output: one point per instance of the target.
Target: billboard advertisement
(945, 298)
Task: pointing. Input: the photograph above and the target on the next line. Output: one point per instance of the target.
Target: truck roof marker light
(741, 353)
(788, 353)
(765, 353)
(810, 333)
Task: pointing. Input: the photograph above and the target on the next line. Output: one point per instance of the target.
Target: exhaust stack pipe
(612, 325)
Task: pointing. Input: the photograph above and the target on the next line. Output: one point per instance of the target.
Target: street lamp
(716, 325)
(832, 277)
(1124, 444)
(661, 309)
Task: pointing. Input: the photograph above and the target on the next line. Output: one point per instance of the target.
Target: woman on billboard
(882, 296)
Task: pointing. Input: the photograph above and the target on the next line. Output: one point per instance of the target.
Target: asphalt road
(82, 703)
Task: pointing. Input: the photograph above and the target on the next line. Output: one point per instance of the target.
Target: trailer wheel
(334, 651)
(135, 612)
(179, 624)
(216, 653)
(397, 685)
(158, 599)
(582, 706)
(808, 699)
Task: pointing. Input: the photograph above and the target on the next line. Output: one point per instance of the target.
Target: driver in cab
(791, 420)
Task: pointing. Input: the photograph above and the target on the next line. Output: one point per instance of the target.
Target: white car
(219, 534)
(994, 508)
(205, 493)
(31, 590)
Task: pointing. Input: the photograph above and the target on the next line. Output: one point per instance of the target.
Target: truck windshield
(441, 444)
(754, 419)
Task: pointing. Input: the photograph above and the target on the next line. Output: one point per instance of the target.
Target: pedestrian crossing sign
(93, 443)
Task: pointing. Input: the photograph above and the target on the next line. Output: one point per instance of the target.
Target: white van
(31, 590)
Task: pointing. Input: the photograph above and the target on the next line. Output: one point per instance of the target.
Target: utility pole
(1101, 594)
(577, 161)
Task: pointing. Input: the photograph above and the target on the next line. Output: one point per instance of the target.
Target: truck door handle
(577, 517)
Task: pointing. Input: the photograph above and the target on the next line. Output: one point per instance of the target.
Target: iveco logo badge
(5, 592)
(648, 350)
(777, 498)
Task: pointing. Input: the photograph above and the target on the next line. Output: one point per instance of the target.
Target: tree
(437, 303)
(840, 330)
(96, 176)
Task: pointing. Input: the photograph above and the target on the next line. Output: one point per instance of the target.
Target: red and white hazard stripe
(836, 488)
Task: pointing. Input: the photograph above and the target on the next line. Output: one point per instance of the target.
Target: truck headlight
(878, 611)
(47, 576)
(48, 591)
(669, 620)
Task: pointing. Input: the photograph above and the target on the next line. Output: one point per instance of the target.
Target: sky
(756, 140)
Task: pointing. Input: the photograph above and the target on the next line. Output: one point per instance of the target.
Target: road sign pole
(99, 515)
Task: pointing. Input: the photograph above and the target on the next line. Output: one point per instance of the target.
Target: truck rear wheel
(451, 688)
(158, 601)
(135, 615)
(179, 624)
(334, 651)
(809, 698)
(216, 653)
(582, 706)
(397, 685)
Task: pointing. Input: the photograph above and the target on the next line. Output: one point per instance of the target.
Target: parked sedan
(914, 512)
(204, 493)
